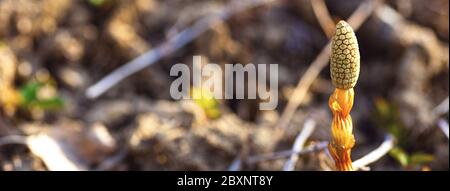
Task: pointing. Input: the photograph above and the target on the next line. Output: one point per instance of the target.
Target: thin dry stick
(356, 19)
(170, 46)
(113, 161)
(13, 139)
(441, 108)
(376, 154)
(286, 153)
(373, 156)
(235, 165)
(299, 142)
(443, 125)
(323, 17)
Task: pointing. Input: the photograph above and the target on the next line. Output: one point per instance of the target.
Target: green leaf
(382, 107)
(29, 92)
(49, 104)
(400, 155)
(97, 3)
(387, 117)
(207, 102)
(420, 158)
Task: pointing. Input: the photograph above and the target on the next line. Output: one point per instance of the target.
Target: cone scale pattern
(344, 66)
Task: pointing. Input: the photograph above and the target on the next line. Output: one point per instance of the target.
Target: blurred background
(51, 51)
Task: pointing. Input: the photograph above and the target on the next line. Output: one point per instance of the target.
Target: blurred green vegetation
(387, 117)
(97, 2)
(30, 99)
(207, 102)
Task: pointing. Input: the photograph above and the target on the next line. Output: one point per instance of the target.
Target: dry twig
(286, 153)
(323, 17)
(236, 164)
(361, 163)
(376, 154)
(113, 161)
(443, 125)
(441, 108)
(300, 141)
(165, 49)
(13, 139)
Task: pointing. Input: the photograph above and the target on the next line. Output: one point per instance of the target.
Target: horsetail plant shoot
(344, 69)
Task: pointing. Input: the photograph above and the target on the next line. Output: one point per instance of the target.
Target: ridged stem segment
(340, 103)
